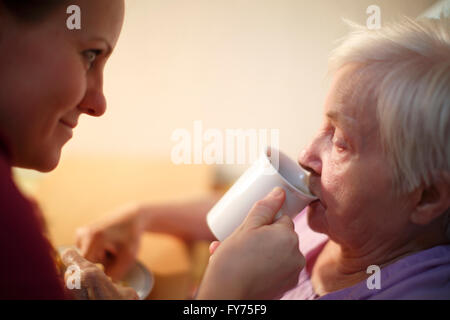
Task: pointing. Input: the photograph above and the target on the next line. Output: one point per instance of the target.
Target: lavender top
(423, 275)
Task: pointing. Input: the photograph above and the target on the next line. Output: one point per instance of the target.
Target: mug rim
(267, 157)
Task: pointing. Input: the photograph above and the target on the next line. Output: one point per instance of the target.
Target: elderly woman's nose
(93, 103)
(310, 160)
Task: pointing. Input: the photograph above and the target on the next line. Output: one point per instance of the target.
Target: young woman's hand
(94, 283)
(260, 260)
(113, 242)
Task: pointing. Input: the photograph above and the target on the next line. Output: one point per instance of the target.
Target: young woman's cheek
(70, 79)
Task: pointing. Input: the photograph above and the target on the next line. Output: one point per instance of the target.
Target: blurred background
(249, 64)
(230, 63)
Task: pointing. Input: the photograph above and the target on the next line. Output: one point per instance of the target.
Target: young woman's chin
(47, 166)
(42, 160)
(49, 161)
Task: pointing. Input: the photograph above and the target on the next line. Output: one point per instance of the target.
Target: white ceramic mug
(272, 169)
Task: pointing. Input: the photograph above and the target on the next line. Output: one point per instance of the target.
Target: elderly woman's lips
(316, 203)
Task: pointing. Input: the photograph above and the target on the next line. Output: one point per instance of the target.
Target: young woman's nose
(310, 159)
(94, 101)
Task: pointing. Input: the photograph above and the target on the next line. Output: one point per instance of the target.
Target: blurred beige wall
(232, 64)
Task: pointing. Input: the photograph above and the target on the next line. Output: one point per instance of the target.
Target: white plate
(139, 277)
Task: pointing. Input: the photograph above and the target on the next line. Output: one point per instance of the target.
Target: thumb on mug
(264, 211)
(213, 246)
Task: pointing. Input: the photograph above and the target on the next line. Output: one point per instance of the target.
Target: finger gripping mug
(272, 169)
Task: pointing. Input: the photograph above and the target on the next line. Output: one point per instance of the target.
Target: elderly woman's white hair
(404, 70)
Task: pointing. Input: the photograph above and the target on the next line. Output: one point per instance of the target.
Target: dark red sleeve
(27, 269)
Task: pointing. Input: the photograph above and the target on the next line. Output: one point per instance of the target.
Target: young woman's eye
(91, 56)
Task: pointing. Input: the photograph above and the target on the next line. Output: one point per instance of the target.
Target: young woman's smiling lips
(68, 126)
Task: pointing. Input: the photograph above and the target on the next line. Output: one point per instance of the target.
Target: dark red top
(27, 268)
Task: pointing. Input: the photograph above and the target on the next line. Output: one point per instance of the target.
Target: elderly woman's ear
(433, 201)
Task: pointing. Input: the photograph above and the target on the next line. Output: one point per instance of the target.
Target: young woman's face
(50, 75)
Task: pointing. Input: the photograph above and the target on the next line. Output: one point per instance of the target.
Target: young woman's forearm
(185, 219)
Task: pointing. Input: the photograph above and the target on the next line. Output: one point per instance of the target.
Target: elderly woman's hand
(94, 283)
(113, 242)
(260, 260)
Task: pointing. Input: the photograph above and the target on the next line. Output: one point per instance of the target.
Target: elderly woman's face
(50, 75)
(350, 175)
